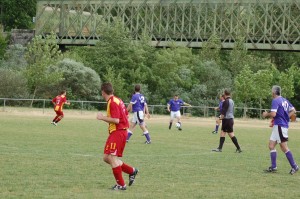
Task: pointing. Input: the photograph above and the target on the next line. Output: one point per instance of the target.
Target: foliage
(41, 54)
(12, 84)
(3, 45)
(80, 81)
(18, 14)
(14, 57)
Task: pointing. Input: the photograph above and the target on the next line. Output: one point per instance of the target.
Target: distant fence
(196, 111)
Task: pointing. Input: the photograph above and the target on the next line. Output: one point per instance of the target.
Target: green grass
(38, 160)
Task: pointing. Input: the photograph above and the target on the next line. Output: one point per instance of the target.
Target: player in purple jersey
(173, 107)
(219, 108)
(138, 106)
(281, 111)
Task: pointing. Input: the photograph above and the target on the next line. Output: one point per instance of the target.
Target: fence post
(81, 107)
(152, 110)
(44, 106)
(4, 105)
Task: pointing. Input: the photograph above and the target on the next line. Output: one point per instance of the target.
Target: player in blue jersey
(173, 107)
(281, 110)
(219, 108)
(138, 106)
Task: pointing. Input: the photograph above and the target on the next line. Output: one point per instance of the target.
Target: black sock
(235, 142)
(170, 125)
(222, 140)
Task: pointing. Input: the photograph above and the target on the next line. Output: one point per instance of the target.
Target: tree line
(40, 69)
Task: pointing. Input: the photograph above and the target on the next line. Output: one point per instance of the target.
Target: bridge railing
(264, 24)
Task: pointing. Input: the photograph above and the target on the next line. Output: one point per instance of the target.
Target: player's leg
(172, 116)
(178, 117)
(218, 121)
(131, 129)
(285, 149)
(142, 124)
(273, 155)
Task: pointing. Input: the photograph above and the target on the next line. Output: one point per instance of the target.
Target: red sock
(117, 171)
(55, 119)
(58, 119)
(127, 169)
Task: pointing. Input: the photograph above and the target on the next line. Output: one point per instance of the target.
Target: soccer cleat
(147, 142)
(214, 132)
(54, 123)
(271, 170)
(238, 150)
(294, 170)
(119, 187)
(217, 150)
(132, 176)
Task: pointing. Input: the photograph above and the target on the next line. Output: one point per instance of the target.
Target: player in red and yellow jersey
(117, 118)
(58, 103)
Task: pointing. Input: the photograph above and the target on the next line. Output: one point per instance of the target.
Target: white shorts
(175, 114)
(138, 117)
(279, 134)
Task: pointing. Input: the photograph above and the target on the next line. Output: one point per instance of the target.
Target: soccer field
(39, 160)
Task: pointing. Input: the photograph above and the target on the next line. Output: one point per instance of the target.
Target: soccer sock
(290, 158)
(146, 133)
(127, 169)
(273, 155)
(129, 134)
(222, 140)
(235, 142)
(117, 171)
(170, 125)
(55, 119)
(58, 119)
(217, 127)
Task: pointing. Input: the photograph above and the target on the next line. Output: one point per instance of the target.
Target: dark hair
(137, 88)
(107, 88)
(62, 92)
(226, 92)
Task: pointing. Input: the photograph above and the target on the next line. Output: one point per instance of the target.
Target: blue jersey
(138, 102)
(175, 104)
(282, 107)
(221, 105)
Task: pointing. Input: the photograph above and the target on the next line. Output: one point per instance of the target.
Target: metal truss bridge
(262, 24)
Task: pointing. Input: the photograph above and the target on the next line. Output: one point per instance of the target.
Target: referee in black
(227, 123)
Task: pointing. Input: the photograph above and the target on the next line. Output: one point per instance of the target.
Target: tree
(18, 14)
(13, 84)
(81, 81)
(41, 54)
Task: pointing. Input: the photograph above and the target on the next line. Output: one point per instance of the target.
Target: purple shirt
(175, 105)
(282, 107)
(138, 102)
(221, 105)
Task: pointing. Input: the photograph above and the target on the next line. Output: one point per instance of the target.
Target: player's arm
(168, 107)
(224, 109)
(67, 103)
(269, 114)
(129, 107)
(186, 104)
(292, 112)
(146, 111)
(104, 118)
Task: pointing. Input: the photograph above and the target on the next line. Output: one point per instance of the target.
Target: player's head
(222, 97)
(63, 92)
(227, 92)
(176, 97)
(107, 88)
(137, 88)
(276, 90)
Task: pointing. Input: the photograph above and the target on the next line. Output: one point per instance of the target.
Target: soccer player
(227, 123)
(117, 118)
(138, 106)
(219, 108)
(173, 107)
(281, 110)
(58, 103)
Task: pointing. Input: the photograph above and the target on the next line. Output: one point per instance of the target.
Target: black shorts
(227, 125)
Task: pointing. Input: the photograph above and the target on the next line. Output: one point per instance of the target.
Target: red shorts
(115, 143)
(59, 113)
